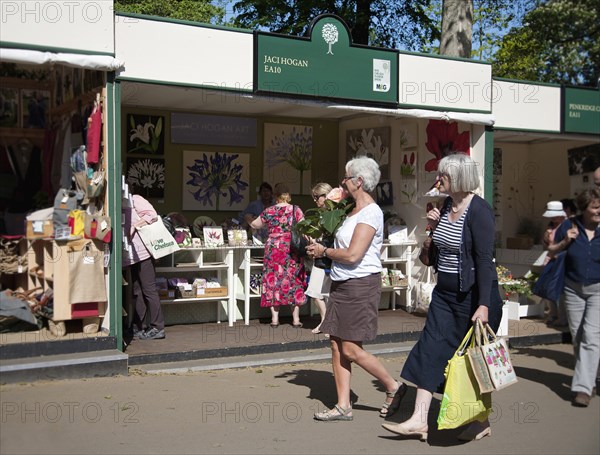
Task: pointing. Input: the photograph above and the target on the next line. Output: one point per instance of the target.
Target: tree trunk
(360, 31)
(457, 28)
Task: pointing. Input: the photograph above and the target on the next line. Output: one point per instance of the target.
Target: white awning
(468, 117)
(29, 57)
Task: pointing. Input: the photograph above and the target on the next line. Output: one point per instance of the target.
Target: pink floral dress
(284, 276)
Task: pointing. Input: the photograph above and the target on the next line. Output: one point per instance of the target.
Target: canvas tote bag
(158, 239)
(86, 272)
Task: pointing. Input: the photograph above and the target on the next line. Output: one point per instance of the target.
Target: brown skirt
(352, 308)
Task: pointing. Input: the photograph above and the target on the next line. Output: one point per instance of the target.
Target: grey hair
(462, 170)
(367, 168)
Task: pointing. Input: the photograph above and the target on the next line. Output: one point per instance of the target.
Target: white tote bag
(158, 239)
(424, 292)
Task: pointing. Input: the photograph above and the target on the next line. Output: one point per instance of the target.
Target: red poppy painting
(443, 139)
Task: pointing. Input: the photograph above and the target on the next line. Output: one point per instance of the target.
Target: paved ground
(268, 410)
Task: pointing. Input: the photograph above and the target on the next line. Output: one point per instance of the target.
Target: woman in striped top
(467, 290)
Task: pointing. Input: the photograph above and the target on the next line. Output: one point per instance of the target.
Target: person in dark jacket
(466, 290)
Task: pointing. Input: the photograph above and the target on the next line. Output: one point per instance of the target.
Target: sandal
(337, 413)
(388, 409)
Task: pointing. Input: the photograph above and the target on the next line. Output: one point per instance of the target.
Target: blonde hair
(282, 193)
(321, 188)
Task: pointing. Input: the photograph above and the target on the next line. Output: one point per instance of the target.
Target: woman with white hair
(466, 290)
(355, 290)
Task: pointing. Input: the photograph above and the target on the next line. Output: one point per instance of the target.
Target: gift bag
(97, 227)
(462, 401)
(497, 358)
(157, 239)
(76, 222)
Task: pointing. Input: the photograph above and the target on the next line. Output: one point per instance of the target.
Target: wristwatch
(325, 252)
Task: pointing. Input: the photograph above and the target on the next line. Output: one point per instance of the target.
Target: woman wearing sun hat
(554, 210)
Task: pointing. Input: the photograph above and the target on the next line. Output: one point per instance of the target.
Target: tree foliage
(559, 42)
(190, 10)
(385, 23)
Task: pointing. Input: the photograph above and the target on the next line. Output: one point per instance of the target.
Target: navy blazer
(476, 258)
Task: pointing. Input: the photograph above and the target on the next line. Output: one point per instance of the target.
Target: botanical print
(372, 142)
(9, 107)
(385, 194)
(288, 156)
(443, 139)
(145, 134)
(215, 181)
(35, 106)
(213, 236)
(148, 174)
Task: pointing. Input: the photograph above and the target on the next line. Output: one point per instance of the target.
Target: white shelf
(394, 256)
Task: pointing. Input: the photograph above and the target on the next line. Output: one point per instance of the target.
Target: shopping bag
(478, 362)
(497, 358)
(158, 239)
(462, 401)
(551, 281)
(86, 272)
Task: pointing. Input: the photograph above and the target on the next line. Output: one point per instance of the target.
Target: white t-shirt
(371, 262)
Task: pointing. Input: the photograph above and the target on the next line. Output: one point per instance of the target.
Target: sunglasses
(317, 197)
(348, 178)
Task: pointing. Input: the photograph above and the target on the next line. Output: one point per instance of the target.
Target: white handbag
(158, 239)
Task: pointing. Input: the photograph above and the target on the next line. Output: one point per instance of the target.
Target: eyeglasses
(348, 178)
(317, 197)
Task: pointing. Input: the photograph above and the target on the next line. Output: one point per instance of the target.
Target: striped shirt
(448, 238)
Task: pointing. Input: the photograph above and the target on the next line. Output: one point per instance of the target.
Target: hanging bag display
(492, 355)
(65, 201)
(97, 227)
(298, 242)
(462, 401)
(86, 272)
(158, 239)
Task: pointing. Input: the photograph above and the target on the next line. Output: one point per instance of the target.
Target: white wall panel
(184, 54)
(77, 26)
(523, 106)
(439, 83)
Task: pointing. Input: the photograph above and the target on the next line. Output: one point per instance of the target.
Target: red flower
(443, 139)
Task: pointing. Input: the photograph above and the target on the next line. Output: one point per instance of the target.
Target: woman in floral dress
(284, 276)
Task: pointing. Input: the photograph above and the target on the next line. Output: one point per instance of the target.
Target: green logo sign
(326, 65)
(581, 110)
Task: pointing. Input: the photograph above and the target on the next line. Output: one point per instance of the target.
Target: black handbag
(298, 242)
(428, 253)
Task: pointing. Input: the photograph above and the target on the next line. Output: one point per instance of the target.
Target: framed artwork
(35, 105)
(145, 134)
(148, 174)
(9, 107)
(385, 194)
(215, 181)
(408, 136)
(213, 236)
(288, 156)
(372, 142)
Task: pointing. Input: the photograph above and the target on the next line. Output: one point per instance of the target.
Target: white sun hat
(554, 208)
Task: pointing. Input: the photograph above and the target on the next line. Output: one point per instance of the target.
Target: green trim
(445, 57)
(488, 170)
(521, 130)
(113, 148)
(520, 81)
(182, 22)
(441, 109)
(35, 47)
(179, 84)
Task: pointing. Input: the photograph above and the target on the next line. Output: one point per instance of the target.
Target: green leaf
(158, 128)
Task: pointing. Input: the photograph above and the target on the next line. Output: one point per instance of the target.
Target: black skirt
(447, 323)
